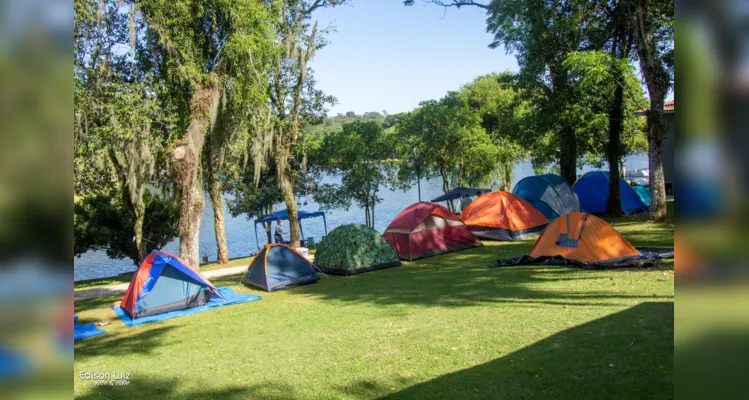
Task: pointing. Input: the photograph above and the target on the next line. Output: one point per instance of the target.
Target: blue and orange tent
(165, 283)
(277, 266)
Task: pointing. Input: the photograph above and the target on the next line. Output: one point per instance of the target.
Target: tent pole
(257, 244)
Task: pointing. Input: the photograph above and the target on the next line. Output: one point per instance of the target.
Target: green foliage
(446, 137)
(596, 74)
(355, 153)
(106, 222)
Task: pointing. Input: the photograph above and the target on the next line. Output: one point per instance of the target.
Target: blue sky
(385, 56)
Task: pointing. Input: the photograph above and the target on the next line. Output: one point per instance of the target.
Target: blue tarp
(593, 191)
(81, 331)
(284, 215)
(229, 298)
(13, 364)
(459, 192)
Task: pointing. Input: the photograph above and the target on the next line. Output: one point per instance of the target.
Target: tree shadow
(621, 356)
(466, 278)
(147, 340)
(157, 388)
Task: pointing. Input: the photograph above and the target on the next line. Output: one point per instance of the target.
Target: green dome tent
(353, 249)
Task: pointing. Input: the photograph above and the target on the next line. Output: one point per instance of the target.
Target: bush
(106, 222)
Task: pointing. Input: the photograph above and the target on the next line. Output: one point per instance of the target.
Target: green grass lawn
(446, 327)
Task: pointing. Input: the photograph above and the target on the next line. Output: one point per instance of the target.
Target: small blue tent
(593, 191)
(164, 283)
(644, 194)
(277, 267)
(549, 193)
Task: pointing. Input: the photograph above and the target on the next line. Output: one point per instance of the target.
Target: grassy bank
(444, 327)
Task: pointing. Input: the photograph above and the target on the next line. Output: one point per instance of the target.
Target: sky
(386, 56)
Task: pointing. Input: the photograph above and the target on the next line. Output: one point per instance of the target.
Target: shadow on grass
(152, 388)
(126, 342)
(625, 355)
(466, 278)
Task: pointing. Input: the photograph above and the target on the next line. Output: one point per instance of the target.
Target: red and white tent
(427, 229)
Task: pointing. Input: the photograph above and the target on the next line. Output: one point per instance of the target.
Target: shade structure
(165, 283)
(593, 191)
(549, 194)
(459, 192)
(503, 216)
(277, 266)
(284, 215)
(644, 194)
(427, 229)
(353, 249)
(584, 240)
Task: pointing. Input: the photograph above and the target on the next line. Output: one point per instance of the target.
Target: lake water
(240, 232)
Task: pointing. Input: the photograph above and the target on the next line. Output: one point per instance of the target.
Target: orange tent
(582, 239)
(502, 216)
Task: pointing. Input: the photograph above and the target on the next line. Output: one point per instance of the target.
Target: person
(279, 233)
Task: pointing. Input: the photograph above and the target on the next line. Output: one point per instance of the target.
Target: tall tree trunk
(507, 167)
(446, 188)
(203, 107)
(140, 216)
(657, 82)
(287, 193)
(215, 153)
(266, 227)
(568, 154)
(614, 203)
(372, 219)
(418, 183)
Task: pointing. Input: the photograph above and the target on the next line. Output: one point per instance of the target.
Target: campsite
(247, 226)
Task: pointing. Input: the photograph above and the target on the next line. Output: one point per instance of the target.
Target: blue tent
(593, 191)
(277, 267)
(284, 215)
(549, 193)
(644, 194)
(459, 192)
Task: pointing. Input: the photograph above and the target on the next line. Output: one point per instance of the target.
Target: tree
(206, 46)
(292, 93)
(503, 108)
(652, 24)
(356, 153)
(105, 222)
(119, 124)
(541, 34)
(611, 94)
(450, 141)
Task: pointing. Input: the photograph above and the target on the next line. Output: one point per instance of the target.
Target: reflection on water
(240, 232)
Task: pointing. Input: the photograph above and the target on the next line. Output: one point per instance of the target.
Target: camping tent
(593, 191)
(582, 239)
(502, 216)
(164, 283)
(428, 229)
(277, 266)
(549, 193)
(353, 249)
(459, 192)
(644, 194)
(284, 215)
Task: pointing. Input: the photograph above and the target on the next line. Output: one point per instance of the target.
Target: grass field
(448, 327)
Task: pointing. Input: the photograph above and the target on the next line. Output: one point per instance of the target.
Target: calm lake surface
(240, 231)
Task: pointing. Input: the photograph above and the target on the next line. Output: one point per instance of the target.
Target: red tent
(427, 229)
